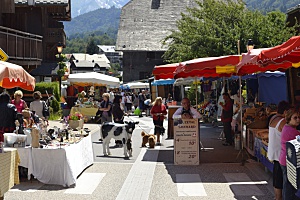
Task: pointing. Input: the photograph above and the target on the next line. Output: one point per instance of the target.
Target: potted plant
(76, 120)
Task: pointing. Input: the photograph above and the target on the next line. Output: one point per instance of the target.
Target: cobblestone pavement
(151, 174)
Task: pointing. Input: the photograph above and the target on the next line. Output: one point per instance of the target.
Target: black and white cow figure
(121, 132)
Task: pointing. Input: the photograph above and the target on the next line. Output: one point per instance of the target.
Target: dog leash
(139, 125)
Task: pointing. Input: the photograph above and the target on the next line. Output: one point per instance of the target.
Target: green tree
(92, 47)
(213, 28)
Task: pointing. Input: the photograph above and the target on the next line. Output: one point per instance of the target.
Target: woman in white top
(128, 102)
(275, 128)
(123, 102)
(37, 105)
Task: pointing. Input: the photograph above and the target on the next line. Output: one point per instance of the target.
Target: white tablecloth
(58, 166)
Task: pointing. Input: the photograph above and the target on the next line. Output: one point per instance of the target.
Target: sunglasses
(296, 117)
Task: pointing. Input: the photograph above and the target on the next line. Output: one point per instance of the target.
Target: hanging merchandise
(213, 85)
(206, 86)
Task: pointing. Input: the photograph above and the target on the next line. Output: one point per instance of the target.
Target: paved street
(151, 174)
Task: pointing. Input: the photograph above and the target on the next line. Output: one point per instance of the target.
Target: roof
(84, 63)
(88, 57)
(107, 49)
(293, 9)
(144, 24)
(45, 69)
(42, 2)
(90, 64)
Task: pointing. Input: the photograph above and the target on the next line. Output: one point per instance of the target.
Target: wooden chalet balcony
(55, 35)
(21, 47)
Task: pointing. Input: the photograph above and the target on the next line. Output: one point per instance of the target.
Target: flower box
(74, 124)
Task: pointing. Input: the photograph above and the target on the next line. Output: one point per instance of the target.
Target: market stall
(281, 57)
(95, 85)
(58, 164)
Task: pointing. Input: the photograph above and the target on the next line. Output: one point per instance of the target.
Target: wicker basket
(74, 124)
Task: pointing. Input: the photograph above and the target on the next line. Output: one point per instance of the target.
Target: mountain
(102, 19)
(79, 7)
(270, 5)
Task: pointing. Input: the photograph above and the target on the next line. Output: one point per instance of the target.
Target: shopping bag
(137, 111)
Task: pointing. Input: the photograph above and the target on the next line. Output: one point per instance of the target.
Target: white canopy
(93, 78)
(136, 85)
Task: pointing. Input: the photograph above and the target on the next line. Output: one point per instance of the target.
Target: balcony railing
(20, 45)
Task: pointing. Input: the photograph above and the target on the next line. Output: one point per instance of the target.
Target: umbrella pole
(196, 92)
(242, 151)
(241, 114)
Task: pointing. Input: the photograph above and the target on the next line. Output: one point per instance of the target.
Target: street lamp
(59, 47)
(60, 71)
(250, 45)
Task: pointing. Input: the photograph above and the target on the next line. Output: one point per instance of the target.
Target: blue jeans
(288, 191)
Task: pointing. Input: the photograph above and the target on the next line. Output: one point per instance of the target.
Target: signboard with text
(186, 142)
(3, 55)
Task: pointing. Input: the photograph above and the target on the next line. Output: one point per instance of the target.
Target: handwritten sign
(186, 142)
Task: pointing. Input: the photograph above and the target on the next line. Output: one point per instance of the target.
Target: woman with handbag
(39, 106)
(158, 111)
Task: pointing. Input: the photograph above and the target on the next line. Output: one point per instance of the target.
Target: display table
(90, 112)
(261, 152)
(171, 111)
(250, 138)
(9, 172)
(59, 166)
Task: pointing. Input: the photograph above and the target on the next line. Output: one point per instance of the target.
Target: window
(155, 4)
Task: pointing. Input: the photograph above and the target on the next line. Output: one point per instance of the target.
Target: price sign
(186, 142)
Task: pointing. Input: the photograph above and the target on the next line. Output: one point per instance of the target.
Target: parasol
(222, 66)
(12, 75)
(164, 71)
(280, 57)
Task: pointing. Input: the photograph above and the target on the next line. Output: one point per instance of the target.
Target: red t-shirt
(227, 111)
(158, 109)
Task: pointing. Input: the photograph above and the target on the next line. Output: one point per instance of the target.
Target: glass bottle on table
(55, 134)
(71, 135)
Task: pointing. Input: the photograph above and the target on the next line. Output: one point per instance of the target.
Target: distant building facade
(30, 30)
(112, 55)
(143, 26)
(80, 62)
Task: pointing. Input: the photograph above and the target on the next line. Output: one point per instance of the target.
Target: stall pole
(182, 91)
(196, 92)
(242, 151)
